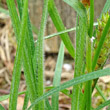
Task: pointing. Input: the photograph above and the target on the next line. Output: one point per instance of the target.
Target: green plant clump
(89, 56)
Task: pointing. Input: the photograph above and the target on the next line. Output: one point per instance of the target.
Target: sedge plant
(89, 55)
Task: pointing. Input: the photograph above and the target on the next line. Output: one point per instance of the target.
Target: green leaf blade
(60, 27)
(17, 64)
(38, 60)
(75, 81)
(57, 76)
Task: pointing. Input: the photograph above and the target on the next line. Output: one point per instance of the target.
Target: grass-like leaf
(103, 105)
(29, 33)
(1, 107)
(88, 86)
(100, 92)
(91, 18)
(2, 98)
(57, 77)
(38, 60)
(59, 33)
(81, 33)
(75, 81)
(48, 106)
(17, 64)
(65, 91)
(29, 73)
(26, 100)
(53, 12)
(80, 48)
(14, 18)
(78, 7)
(20, 7)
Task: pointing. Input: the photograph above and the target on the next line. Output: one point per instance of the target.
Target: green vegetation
(89, 55)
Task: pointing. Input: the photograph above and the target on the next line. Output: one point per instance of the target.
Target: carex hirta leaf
(18, 62)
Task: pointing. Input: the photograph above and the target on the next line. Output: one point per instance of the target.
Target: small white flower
(92, 39)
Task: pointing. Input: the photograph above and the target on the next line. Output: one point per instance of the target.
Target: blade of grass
(14, 18)
(91, 18)
(100, 92)
(88, 85)
(60, 27)
(1, 107)
(65, 91)
(81, 33)
(75, 81)
(78, 7)
(20, 6)
(57, 77)
(48, 104)
(26, 100)
(80, 48)
(30, 78)
(17, 64)
(62, 32)
(35, 30)
(103, 105)
(38, 60)
(29, 33)
(2, 98)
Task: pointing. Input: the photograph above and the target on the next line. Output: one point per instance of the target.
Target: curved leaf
(75, 81)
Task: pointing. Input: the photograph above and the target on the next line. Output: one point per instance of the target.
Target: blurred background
(8, 50)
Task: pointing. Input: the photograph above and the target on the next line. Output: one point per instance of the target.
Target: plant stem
(88, 88)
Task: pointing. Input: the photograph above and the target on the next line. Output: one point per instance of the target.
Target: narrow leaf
(61, 32)
(78, 7)
(1, 107)
(81, 33)
(38, 60)
(103, 105)
(17, 64)
(26, 100)
(53, 12)
(2, 98)
(57, 77)
(91, 18)
(28, 69)
(48, 104)
(75, 81)
(101, 93)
